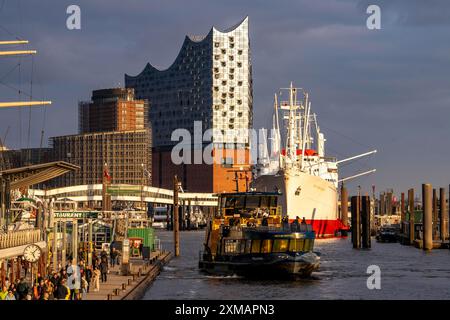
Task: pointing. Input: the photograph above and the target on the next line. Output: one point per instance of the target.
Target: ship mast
(15, 53)
(277, 131)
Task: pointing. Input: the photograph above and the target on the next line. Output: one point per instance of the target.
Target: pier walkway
(119, 287)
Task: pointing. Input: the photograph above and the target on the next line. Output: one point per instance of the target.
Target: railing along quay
(19, 238)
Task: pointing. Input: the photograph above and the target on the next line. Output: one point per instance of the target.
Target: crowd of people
(73, 282)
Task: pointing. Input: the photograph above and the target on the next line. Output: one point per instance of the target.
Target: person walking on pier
(113, 256)
(104, 270)
(96, 279)
(23, 289)
(88, 276)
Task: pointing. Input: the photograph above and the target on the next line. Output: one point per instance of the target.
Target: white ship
(307, 179)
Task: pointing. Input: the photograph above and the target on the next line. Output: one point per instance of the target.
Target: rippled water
(406, 273)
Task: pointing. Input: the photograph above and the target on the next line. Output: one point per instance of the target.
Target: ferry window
(280, 245)
(252, 202)
(273, 201)
(266, 246)
(229, 202)
(265, 202)
(308, 244)
(248, 246)
(296, 245)
(256, 246)
(231, 246)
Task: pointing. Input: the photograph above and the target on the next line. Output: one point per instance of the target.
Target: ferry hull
(306, 196)
(269, 266)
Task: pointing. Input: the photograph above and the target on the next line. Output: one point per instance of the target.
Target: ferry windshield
(245, 203)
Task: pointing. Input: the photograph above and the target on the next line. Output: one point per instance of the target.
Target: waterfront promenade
(133, 286)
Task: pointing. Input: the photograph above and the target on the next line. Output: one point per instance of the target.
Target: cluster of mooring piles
(424, 224)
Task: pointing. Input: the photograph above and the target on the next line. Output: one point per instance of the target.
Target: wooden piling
(402, 211)
(427, 216)
(356, 222)
(382, 204)
(442, 215)
(435, 214)
(344, 205)
(365, 222)
(411, 210)
(389, 203)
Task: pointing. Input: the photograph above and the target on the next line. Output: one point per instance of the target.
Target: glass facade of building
(210, 81)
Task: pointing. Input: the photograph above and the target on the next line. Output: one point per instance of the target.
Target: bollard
(124, 286)
(442, 215)
(134, 277)
(365, 222)
(109, 296)
(411, 210)
(427, 216)
(140, 272)
(356, 222)
(129, 282)
(116, 291)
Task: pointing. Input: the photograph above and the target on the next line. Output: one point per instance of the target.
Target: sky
(386, 89)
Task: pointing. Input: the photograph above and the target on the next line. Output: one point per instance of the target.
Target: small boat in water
(249, 237)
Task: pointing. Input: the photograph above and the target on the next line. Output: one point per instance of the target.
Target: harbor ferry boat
(248, 237)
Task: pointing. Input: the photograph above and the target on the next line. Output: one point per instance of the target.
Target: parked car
(387, 234)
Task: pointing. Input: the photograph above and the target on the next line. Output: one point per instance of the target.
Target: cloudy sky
(385, 89)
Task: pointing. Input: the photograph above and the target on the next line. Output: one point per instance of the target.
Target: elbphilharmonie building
(210, 81)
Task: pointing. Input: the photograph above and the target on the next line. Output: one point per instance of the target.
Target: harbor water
(406, 273)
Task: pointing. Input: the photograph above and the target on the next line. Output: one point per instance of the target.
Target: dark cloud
(386, 89)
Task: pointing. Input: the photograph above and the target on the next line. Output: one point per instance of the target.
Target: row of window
(267, 246)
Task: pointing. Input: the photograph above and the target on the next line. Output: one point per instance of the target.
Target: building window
(216, 70)
(231, 58)
(216, 57)
(239, 64)
(239, 83)
(239, 52)
(216, 44)
(223, 64)
(231, 39)
(223, 51)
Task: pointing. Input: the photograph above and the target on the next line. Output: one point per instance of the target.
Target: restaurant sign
(76, 214)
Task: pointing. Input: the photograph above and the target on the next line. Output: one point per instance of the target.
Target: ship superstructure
(299, 167)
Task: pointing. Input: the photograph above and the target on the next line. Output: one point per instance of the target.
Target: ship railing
(17, 238)
(263, 228)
